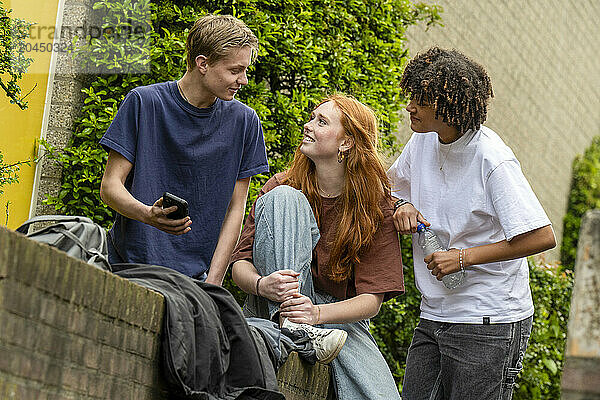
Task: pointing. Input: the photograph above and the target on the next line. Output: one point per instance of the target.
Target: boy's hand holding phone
(169, 200)
(170, 214)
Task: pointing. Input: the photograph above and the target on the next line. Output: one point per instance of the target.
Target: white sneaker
(326, 342)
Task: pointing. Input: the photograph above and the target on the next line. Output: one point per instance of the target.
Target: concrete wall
(542, 57)
(63, 105)
(581, 372)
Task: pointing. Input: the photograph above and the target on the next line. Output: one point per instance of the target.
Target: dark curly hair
(456, 86)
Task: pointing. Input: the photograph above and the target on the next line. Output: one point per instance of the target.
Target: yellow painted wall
(20, 128)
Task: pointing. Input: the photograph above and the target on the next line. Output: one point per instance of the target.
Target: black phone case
(172, 200)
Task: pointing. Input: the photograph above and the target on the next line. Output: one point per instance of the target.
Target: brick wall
(542, 58)
(71, 331)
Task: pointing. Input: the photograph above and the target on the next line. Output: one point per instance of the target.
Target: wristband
(257, 282)
(399, 203)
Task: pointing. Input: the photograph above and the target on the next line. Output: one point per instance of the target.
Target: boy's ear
(201, 63)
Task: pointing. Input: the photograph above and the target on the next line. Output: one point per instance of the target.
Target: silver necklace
(445, 158)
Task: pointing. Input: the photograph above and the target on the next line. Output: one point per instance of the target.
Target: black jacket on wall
(209, 351)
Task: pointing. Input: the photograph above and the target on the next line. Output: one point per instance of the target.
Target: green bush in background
(584, 195)
(308, 48)
(551, 290)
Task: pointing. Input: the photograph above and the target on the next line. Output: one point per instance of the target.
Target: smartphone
(172, 200)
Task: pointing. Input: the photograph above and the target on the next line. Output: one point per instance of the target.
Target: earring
(340, 156)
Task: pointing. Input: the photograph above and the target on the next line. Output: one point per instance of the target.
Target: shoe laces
(317, 333)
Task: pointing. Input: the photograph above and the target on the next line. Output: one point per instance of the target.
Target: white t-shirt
(480, 196)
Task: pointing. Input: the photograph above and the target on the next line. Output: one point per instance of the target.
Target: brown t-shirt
(380, 267)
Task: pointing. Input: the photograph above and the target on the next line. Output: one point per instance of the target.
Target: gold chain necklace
(181, 92)
(327, 195)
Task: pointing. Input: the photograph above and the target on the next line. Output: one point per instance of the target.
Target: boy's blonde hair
(213, 36)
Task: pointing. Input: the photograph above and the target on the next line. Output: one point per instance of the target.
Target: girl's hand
(279, 285)
(300, 309)
(442, 263)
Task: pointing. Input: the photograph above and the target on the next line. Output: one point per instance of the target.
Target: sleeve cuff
(254, 171)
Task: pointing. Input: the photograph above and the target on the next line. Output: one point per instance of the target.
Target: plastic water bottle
(430, 243)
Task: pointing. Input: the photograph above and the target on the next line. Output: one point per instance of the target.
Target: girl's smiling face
(323, 133)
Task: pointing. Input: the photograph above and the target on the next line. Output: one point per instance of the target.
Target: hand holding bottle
(407, 218)
(444, 264)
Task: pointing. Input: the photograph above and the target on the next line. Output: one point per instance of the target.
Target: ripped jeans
(448, 361)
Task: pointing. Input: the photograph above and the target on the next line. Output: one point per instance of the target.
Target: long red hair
(366, 184)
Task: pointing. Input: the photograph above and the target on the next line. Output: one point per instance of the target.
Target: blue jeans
(286, 234)
(449, 361)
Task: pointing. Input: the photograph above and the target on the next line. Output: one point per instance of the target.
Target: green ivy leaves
(13, 61)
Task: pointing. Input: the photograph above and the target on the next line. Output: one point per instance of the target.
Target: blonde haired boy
(193, 139)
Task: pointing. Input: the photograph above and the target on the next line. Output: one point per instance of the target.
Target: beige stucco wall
(542, 57)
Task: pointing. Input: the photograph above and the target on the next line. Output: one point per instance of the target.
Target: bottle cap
(420, 227)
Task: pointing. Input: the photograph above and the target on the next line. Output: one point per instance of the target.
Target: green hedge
(584, 195)
(551, 290)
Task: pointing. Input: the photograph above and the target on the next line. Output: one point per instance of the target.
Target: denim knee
(282, 192)
(280, 200)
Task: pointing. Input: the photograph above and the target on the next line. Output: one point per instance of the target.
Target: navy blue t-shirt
(196, 154)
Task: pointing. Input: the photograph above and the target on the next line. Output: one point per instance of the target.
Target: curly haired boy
(458, 177)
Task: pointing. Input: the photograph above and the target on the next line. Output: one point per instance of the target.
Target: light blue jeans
(465, 361)
(286, 234)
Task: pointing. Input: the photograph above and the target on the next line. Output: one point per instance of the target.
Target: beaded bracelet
(318, 316)
(257, 282)
(461, 258)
